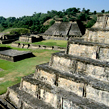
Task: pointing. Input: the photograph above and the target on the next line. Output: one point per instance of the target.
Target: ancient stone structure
(61, 30)
(7, 38)
(100, 31)
(34, 46)
(30, 38)
(75, 79)
(14, 55)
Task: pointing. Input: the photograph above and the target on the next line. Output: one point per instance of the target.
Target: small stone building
(7, 38)
(30, 38)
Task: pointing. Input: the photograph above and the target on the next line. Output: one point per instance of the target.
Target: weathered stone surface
(66, 99)
(45, 76)
(99, 31)
(97, 95)
(84, 66)
(97, 36)
(90, 50)
(5, 105)
(26, 100)
(14, 55)
(72, 86)
(83, 51)
(76, 78)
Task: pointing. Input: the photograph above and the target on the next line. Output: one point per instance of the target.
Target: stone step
(80, 65)
(83, 86)
(5, 104)
(56, 96)
(24, 100)
(39, 89)
(92, 50)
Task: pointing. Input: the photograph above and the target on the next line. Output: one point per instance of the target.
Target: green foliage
(65, 19)
(94, 12)
(19, 31)
(103, 11)
(83, 17)
(91, 22)
(52, 22)
(35, 22)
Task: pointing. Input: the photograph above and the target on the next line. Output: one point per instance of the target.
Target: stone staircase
(75, 79)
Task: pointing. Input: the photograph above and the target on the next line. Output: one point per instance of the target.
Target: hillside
(40, 22)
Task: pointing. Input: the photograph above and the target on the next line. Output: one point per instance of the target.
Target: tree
(91, 22)
(87, 11)
(94, 12)
(65, 19)
(83, 17)
(103, 11)
(83, 10)
(52, 22)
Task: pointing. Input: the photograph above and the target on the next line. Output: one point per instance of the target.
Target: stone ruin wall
(89, 50)
(75, 66)
(48, 37)
(26, 39)
(9, 58)
(97, 36)
(99, 32)
(69, 84)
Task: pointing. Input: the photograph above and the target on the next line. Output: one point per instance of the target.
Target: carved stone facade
(75, 79)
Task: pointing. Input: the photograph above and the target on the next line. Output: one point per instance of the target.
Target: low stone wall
(25, 39)
(55, 37)
(31, 46)
(9, 58)
(15, 55)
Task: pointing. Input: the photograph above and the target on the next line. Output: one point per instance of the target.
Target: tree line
(36, 21)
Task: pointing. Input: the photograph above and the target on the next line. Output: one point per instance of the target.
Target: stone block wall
(82, 66)
(25, 39)
(96, 35)
(89, 49)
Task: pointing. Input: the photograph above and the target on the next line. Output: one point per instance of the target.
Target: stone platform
(15, 55)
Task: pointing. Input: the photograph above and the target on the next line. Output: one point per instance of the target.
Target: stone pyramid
(75, 79)
(64, 28)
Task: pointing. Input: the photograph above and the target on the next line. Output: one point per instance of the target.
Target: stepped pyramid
(65, 28)
(75, 79)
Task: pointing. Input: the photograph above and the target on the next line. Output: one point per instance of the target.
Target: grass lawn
(13, 71)
(60, 43)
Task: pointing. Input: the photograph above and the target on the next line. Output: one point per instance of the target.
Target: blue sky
(19, 8)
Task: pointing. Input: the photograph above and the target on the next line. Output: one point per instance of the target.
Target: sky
(19, 8)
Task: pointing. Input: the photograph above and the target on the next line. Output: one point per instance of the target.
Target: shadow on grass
(4, 48)
(25, 56)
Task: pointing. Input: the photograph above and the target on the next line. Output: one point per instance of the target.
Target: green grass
(13, 71)
(60, 43)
